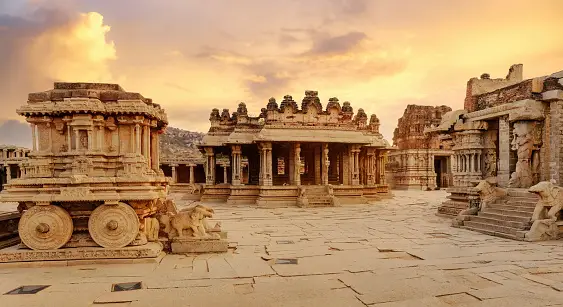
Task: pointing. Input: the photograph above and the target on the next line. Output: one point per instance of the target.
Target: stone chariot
(92, 178)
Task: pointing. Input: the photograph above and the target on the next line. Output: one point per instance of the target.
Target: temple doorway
(442, 172)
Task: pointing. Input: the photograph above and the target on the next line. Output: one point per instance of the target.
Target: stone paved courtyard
(392, 253)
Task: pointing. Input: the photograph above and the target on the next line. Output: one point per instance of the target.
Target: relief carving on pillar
(82, 166)
(523, 144)
(490, 153)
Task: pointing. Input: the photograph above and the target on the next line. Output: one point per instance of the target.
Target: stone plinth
(241, 194)
(216, 193)
(192, 245)
(15, 254)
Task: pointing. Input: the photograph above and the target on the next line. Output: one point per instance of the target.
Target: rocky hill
(177, 141)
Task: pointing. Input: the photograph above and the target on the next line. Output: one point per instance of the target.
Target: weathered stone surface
(182, 246)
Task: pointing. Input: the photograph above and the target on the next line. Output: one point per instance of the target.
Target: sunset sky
(194, 55)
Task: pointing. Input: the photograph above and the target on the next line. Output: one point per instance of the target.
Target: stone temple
(306, 156)
(506, 144)
(421, 161)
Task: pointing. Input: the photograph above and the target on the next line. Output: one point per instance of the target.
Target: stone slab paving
(391, 253)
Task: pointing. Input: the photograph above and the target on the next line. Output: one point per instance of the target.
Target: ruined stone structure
(11, 159)
(92, 178)
(308, 156)
(511, 131)
(422, 161)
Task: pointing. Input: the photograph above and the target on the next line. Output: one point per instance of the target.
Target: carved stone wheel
(113, 225)
(45, 227)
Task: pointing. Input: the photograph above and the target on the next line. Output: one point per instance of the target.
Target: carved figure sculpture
(490, 164)
(302, 200)
(523, 144)
(547, 212)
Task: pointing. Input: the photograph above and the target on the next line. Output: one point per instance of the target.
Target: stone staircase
(317, 195)
(459, 199)
(508, 218)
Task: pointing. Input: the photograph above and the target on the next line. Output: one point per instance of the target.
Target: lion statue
(547, 211)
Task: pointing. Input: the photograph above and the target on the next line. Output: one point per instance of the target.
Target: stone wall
(512, 93)
(485, 84)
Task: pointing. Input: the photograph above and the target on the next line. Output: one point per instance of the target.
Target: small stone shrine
(422, 161)
(508, 153)
(306, 156)
(91, 187)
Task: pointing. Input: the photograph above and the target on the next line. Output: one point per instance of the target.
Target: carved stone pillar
(137, 139)
(266, 164)
(76, 139)
(382, 159)
(192, 180)
(50, 135)
(325, 163)
(33, 137)
(236, 165)
(174, 173)
(355, 165)
(225, 179)
(8, 173)
(155, 152)
(146, 142)
(210, 166)
(297, 168)
(90, 140)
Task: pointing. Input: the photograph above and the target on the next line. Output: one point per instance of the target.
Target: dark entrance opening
(438, 171)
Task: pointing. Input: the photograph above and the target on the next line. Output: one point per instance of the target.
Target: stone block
(190, 245)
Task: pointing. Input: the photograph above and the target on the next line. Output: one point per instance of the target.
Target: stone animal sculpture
(547, 212)
(489, 192)
(197, 189)
(551, 201)
(189, 223)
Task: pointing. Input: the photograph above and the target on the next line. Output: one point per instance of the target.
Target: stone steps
(510, 231)
(493, 233)
(507, 217)
(320, 202)
(509, 212)
(511, 207)
(499, 222)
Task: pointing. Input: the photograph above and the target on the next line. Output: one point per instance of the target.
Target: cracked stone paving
(394, 252)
